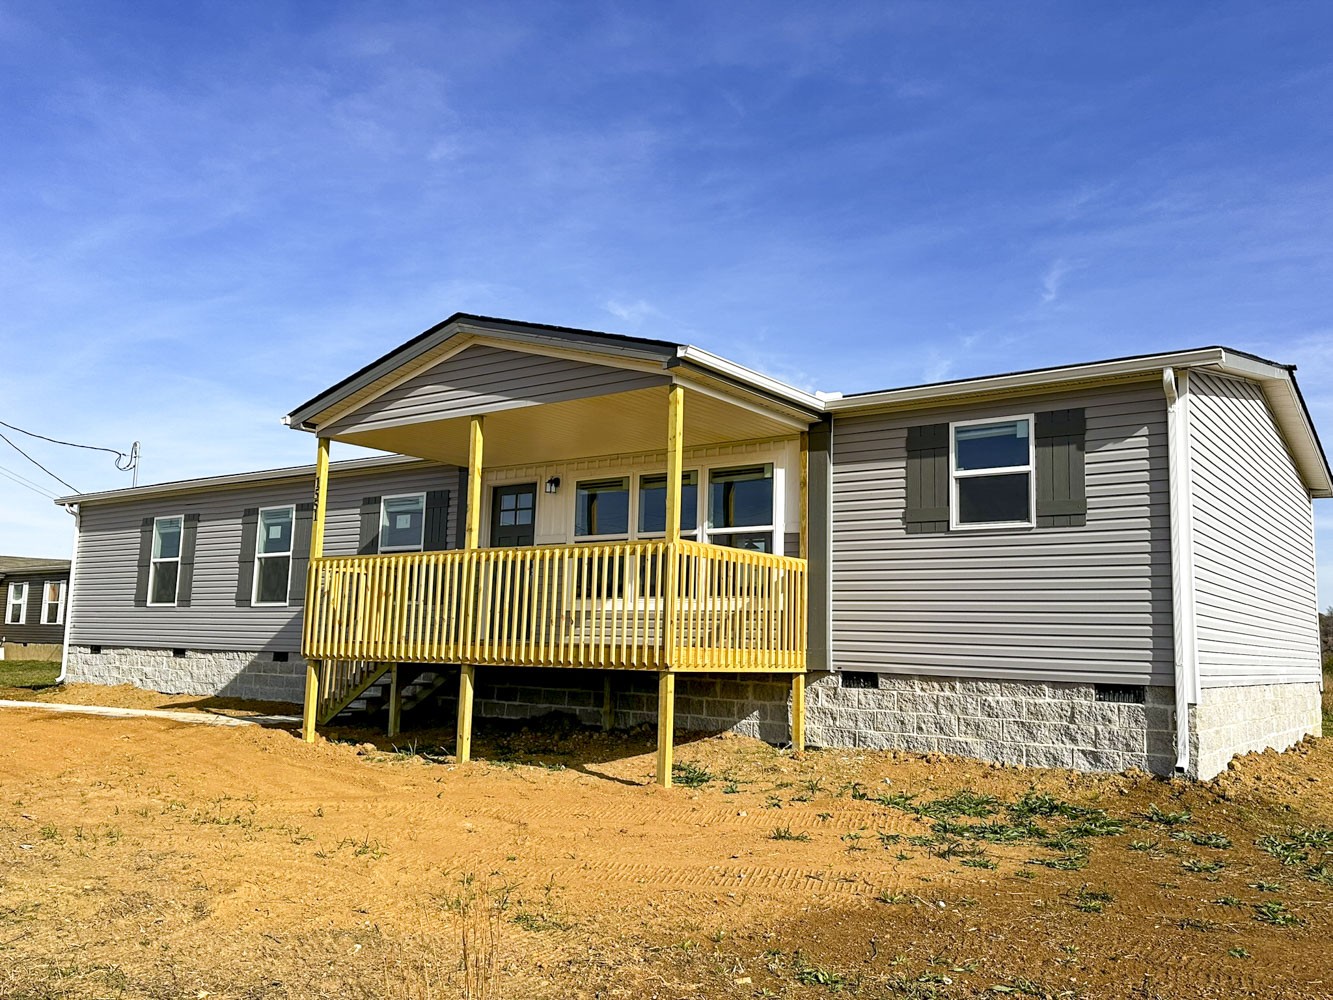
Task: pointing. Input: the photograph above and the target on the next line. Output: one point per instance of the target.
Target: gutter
(1184, 630)
(72, 508)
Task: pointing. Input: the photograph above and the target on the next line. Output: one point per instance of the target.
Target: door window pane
(601, 507)
(652, 503)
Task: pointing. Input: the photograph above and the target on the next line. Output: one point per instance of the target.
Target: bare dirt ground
(141, 858)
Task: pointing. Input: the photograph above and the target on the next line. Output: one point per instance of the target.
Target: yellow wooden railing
(595, 606)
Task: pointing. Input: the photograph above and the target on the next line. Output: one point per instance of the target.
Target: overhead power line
(121, 456)
(36, 463)
(27, 484)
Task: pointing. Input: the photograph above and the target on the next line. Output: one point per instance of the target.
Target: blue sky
(207, 215)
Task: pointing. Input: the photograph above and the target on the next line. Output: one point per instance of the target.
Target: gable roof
(23, 565)
(607, 348)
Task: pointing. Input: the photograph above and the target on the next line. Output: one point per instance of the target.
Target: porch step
(416, 691)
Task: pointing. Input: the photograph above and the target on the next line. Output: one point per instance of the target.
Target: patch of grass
(1090, 900)
(1227, 901)
(1149, 847)
(1214, 840)
(1201, 867)
(979, 862)
(1071, 862)
(961, 803)
(1262, 886)
(1276, 914)
(784, 833)
(1033, 804)
(690, 775)
(31, 674)
(1164, 818)
(892, 898)
(539, 922)
(1096, 825)
(1238, 953)
(813, 975)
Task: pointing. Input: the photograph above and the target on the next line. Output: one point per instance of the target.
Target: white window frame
(261, 555)
(688, 533)
(20, 601)
(421, 545)
(155, 561)
(631, 510)
(60, 602)
(707, 530)
(1030, 469)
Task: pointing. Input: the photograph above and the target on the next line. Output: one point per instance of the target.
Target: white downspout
(73, 508)
(1182, 559)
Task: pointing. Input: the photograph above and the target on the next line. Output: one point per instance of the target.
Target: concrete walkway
(197, 718)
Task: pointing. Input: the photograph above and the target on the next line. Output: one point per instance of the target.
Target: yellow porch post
(798, 712)
(395, 702)
(311, 708)
(467, 672)
(666, 686)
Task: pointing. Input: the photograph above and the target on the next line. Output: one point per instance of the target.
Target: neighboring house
(1035, 568)
(34, 591)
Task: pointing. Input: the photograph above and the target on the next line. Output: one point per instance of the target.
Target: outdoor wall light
(553, 484)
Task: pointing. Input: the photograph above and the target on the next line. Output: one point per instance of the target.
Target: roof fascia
(213, 483)
(583, 341)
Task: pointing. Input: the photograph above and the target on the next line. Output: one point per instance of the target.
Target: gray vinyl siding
(109, 550)
(483, 379)
(1085, 604)
(1256, 608)
(32, 629)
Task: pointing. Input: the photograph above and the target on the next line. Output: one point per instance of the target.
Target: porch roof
(548, 394)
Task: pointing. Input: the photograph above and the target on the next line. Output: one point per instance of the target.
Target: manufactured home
(35, 590)
(1100, 566)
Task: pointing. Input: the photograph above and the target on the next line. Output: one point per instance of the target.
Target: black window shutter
(301, 531)
(927, 508)
(145, 562)
(245, 561)
(185, 579)
(435, 537)
(370, 527)
(1062, 501)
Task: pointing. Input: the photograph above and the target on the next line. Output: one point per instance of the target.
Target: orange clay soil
(129, 696)
(142, 858)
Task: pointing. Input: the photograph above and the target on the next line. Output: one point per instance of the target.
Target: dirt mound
(143, 858)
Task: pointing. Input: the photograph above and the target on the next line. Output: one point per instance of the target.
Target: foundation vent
(859, 679)
(1120, 694)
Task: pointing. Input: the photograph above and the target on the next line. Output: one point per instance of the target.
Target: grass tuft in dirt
(690, 775)
(785, 833)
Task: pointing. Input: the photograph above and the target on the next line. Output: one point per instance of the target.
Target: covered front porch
(630, 519)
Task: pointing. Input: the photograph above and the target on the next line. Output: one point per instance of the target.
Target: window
(740, 507)
(991, 464)
(601, 508)
(273, 555)
(652, 505)
(166, 560)
(16, 608)
(53, 603)
(516, 508)
(402, 523)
